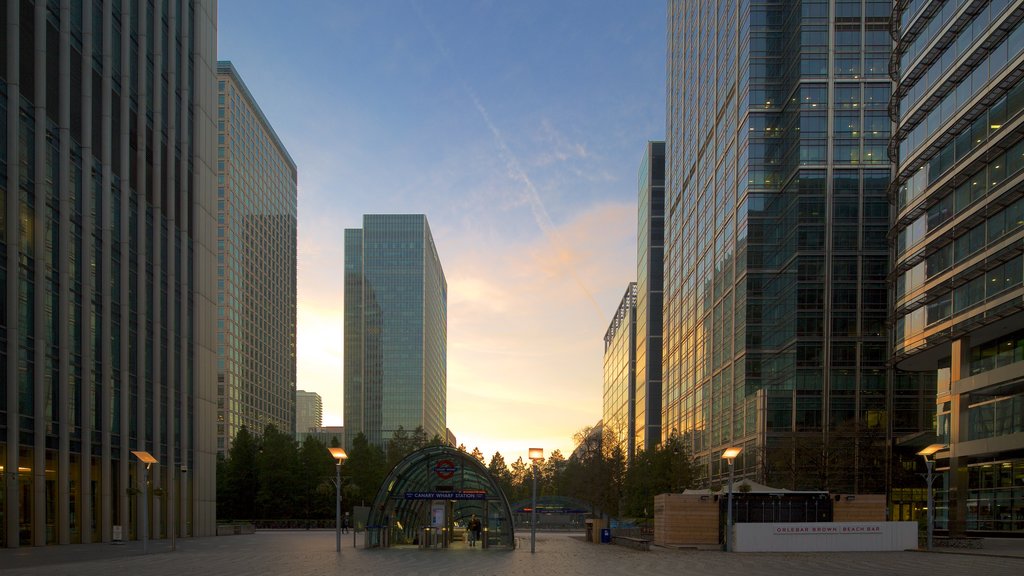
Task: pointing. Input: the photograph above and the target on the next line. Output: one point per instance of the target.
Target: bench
(966, 542)
(638, 543)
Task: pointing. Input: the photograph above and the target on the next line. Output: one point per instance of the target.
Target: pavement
(313, 553)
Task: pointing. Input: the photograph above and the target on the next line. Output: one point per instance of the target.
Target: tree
(316, 470)
(664, 468)
(367, 468)
(521, 478)
(551, 474)
(240, 486)
(499, 471)
(476, 453)
(399, 446)
(278, 473)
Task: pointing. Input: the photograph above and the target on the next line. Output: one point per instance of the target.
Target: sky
(518, 128)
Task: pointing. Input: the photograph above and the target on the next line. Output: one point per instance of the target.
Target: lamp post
(339, 455)
(929, 462)
(536, 455)
(147, 459)
(730, 454)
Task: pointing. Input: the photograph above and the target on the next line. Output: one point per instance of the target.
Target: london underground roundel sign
(445, 469)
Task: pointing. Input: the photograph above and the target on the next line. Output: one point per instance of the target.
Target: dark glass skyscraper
(959, 232)
(650, 249)
(396, 329)
(107, 260)
(775, 252)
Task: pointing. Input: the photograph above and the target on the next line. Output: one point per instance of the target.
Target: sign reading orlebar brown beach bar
(825, 536)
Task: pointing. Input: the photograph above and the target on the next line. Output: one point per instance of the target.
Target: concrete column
(64, 282)
(39, 281)
(123, 518)
(105, 275)
(13, 39)
(86, 343)
(159, 365)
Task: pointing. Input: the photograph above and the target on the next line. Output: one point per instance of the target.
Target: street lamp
(339, 455)
(929, 462)
(536, 455)
(730, 454)
(147, 459)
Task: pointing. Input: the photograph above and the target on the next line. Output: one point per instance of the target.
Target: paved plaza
(312, 554)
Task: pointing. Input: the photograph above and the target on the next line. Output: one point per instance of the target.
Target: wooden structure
(686, 519)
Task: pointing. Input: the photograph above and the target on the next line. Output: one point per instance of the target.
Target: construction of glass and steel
(429, 498)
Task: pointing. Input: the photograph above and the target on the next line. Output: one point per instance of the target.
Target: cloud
(525, 347)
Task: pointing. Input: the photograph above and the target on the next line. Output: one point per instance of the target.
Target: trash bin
(606, 535)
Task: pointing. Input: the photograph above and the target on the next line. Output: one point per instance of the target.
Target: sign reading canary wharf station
(825, 536)
(447, 495)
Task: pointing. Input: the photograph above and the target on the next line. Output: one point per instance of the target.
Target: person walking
(474, 530)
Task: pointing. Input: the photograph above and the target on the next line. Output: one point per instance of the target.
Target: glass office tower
(650, 249)
(396, 329)
(776, 255)
(959, 231)
(106, 258)
(257, 211)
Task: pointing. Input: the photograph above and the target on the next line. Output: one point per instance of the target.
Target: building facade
(396, 329)
(775, 295)
(257, 211)
(329, 435)
(309, 410)
(620, 383)
(650, 243)
(959, 231)
(107, 224)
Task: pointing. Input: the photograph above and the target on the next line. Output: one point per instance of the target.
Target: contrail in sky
(512, 164)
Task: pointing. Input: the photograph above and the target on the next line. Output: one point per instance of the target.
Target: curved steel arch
(403, 505)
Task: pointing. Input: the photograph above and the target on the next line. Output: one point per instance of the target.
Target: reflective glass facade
(620, 384)
(309, 411)
(959, 232)
(396, 322)
(650, 242)
(257, 199)
(776, 257)
(106, 256)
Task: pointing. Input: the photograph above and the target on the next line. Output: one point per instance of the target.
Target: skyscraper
(619, 406)
(308, 411)
(775, 251)
(650, 249)
(959, 231)
(257, 200)
(106, 328)
(396, 325)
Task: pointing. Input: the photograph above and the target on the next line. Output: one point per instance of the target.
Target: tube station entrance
(431, 499)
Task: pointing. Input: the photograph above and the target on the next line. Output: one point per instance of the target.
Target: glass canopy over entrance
(429, 499)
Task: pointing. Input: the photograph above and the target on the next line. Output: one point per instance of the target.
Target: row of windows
(937, 22)
(965, 90)
(957, 47)
(972, 137)
(984, 287)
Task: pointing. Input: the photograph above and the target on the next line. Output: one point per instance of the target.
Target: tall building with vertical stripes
(776, 252)
(107, 226)
(257, 223)
(396, 329)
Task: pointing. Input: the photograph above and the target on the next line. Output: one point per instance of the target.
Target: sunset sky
(517, 127)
